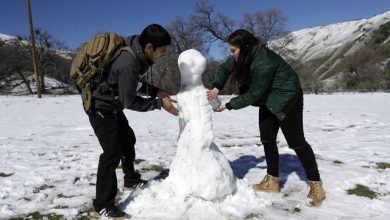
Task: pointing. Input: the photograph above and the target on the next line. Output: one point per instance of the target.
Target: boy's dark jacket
(121, 86)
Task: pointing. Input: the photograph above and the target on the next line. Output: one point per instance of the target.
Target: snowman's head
(191, 65)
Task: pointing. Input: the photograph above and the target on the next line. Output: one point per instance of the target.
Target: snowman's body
(199, 168)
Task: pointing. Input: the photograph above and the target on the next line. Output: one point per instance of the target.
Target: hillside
(324, 48)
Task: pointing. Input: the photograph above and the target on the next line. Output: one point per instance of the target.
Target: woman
(266, 80)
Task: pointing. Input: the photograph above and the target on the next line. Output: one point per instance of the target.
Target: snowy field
(49, 157)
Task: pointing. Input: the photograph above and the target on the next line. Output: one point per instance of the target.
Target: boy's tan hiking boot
(316, 193)
(269, 184)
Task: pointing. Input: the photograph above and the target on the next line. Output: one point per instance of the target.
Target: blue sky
(74, 21)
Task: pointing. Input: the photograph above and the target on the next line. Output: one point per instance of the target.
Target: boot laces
(314, 190)
(266, 180)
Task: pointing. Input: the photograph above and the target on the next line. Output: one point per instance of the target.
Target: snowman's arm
(184, 115)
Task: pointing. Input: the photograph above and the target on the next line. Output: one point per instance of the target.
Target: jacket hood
(133, 43)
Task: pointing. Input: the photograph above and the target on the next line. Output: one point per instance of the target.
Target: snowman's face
(191, 65)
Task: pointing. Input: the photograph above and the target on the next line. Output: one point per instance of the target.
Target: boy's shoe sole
(97, 215)
(128, 189)
(140, 185)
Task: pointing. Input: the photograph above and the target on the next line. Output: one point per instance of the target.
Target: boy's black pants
(292, 128)
(117, 140)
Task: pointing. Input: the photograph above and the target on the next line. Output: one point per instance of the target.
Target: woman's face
(234, 51)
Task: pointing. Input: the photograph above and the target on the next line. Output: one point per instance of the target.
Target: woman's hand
(212, 94)
(221, 108)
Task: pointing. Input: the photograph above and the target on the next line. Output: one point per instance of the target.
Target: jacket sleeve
(224, 70)
(262, 78)
(148, 89)
(128, 77)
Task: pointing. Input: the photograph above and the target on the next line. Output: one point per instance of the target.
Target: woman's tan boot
(269, 184)
(316, 193)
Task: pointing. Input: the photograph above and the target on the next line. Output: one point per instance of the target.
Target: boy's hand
(162, 93)
(169, 107)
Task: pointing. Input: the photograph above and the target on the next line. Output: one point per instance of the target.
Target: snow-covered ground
(49, 156)
(52, 86)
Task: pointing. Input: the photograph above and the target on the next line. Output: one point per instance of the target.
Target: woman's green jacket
(272, 82)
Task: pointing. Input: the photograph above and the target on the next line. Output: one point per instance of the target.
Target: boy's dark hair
(156, 35)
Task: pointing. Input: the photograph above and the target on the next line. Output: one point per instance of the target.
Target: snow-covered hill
(5, 37)
(324, 47)
(320, 41)
(63, 53)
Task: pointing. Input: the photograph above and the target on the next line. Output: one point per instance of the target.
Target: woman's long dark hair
(247, 43)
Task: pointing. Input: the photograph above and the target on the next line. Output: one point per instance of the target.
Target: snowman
(199, 168)
(201, 184)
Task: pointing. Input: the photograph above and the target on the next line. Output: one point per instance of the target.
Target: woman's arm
(224, 70)
(261, 80)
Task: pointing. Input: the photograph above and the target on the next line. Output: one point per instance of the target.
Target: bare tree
(13, 78)
(216, 25)
(266, 26)
(186, 36)
(14, 60)
(270, 26)
(48, 48)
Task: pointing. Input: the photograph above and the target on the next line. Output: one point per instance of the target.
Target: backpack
(92, 61)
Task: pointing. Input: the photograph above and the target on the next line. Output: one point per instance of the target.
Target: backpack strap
(87, 95)
(104, 82)
(128, 49)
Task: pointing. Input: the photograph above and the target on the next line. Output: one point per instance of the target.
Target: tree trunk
(42, 78)
(26, 82)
